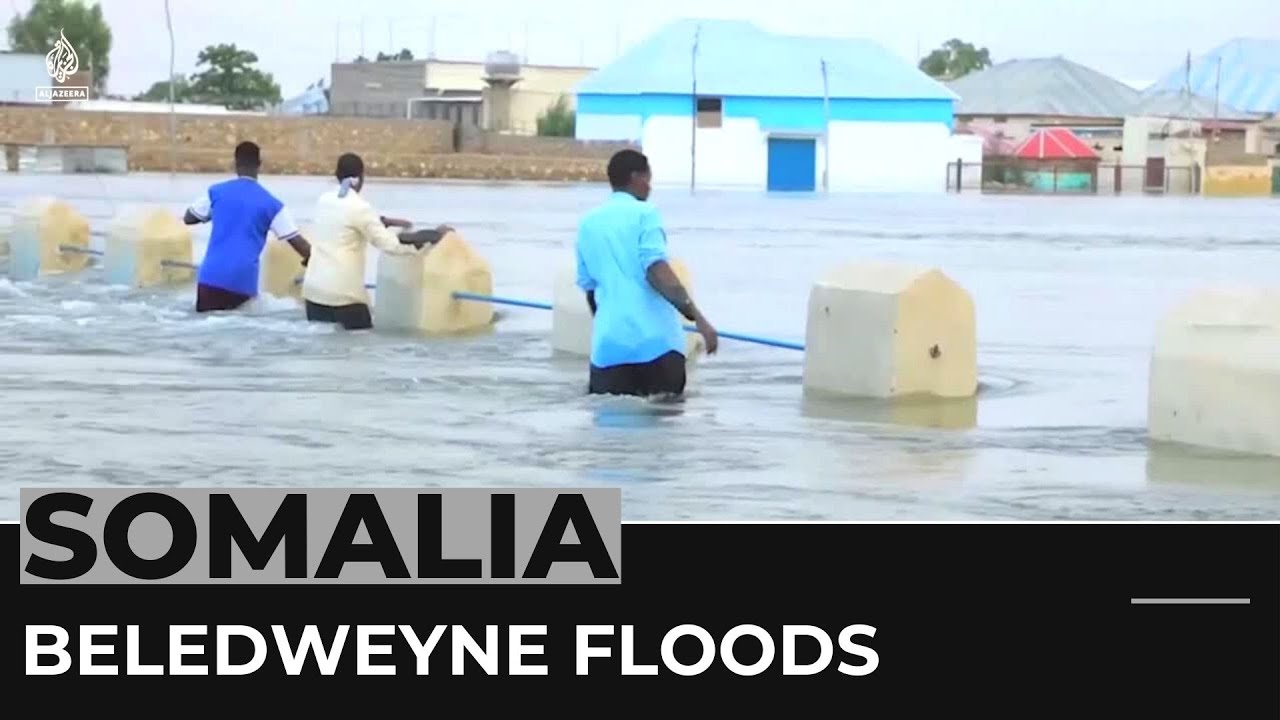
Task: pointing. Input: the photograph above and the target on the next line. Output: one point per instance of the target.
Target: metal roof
(1164, 104)
(1043, 86)
(1250, 75)
(737, 58)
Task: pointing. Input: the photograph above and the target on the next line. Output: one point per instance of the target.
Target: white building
(771, 110)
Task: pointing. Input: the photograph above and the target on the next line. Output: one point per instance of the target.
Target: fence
(998, 175)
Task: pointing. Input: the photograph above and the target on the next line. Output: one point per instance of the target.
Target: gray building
(398, 89)
(20, 75)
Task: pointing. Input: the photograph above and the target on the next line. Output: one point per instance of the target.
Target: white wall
(907, 157)
(896, 157)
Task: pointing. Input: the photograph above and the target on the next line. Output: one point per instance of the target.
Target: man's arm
(285, 229)
(380, 236)
(199, 211)
(653, 258)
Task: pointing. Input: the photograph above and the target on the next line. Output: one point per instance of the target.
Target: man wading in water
(242, 212)
(345, 225)
(637, 341)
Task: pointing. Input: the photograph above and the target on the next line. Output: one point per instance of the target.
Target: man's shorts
(350, 317)
(213, 299)
(664, 375)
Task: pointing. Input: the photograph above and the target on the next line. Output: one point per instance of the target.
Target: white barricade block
(280, 268)
(415, 292)
(879, 330)
(571, 320)
(1215, 372)
(42, 227)
(148, 246)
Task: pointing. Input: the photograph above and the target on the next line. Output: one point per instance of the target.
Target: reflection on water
(111, 386)
(1174, 464)
(925, 412)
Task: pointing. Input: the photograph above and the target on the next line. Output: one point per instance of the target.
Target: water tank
(502, 64)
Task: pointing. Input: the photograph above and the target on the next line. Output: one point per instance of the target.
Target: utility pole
(693, 128)
(826, 131)
(1217, 93)
(362, 36)
(431, 49)
(173, 120)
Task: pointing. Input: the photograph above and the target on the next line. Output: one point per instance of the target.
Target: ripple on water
(107, 385)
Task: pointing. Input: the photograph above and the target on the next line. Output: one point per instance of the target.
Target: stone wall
(487, 143)
(311, 145)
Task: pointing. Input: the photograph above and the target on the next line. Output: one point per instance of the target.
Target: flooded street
(110, 386)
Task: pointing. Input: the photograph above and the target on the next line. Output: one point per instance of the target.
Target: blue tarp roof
(1250, 75)
(737, 58)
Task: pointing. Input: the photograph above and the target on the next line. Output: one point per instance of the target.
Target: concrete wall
(372, 89)
(474, 140)
(1238, 181)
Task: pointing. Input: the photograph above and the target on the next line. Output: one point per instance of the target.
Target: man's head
(629, 172)
(351, 167)
(248, 159)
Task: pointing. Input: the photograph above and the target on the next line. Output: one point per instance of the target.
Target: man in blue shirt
(242, 212)
(637, 341)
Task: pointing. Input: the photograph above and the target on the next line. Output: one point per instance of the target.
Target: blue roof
(1250, 75)
(736, 58)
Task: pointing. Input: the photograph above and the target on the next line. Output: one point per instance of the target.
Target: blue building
(312, 101)
(1243, 74)
(771, 110)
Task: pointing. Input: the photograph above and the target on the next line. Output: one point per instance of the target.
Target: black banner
(999, 619)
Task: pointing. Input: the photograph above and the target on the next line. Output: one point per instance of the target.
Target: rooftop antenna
(693, 129)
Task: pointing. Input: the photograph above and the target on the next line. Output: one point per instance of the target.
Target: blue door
(792, 164)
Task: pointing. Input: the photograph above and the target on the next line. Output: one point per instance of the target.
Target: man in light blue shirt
(637, 341)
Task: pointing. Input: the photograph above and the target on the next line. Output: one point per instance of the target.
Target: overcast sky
(1134, 41)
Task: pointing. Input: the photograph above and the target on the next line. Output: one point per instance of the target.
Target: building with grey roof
(1045, 88)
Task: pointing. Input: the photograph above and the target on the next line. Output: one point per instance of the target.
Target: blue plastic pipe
(545, 306)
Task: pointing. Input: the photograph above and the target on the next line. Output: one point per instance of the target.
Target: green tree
(159, 91)
(230, 79)
(84, 27)
(557, 120)
(955, 59)
(404, 54)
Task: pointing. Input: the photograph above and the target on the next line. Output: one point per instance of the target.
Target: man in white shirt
(343, 226)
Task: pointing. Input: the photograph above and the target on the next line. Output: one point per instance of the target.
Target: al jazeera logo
(62, 63)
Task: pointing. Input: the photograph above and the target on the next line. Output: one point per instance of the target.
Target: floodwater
(108, 386)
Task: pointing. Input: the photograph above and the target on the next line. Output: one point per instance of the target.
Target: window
(709, 112)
